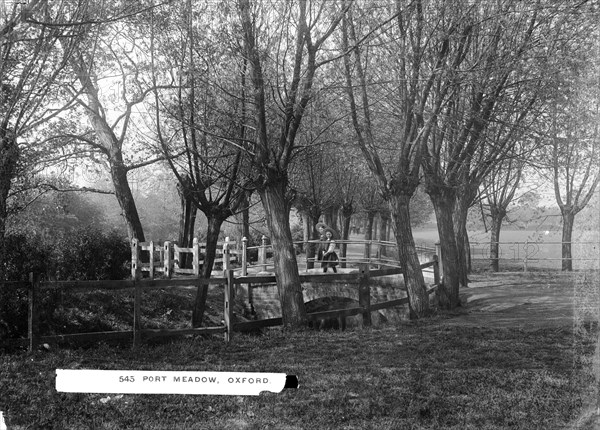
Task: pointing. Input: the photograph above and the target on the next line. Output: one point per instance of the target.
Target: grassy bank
(421, 375)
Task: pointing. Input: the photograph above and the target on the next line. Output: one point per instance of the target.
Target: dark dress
(331, 259)
(322, 247)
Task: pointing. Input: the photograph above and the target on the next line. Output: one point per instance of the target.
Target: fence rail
(373, 252)
(529, 253)
(170, 259)
(361, 279)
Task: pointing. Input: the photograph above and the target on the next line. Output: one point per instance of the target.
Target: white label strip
(167, 382)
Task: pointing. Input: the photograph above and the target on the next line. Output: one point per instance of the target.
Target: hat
(334, 234)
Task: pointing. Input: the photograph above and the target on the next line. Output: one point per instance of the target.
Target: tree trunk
(125, 198)
(243, 218)
(212, 238)
(443, 204)
(418, 299)
(308, 227)
(369, 233)
(369, 225)
(187, 222)
(568, 217)
(467, 251)
(383, 229)
(246, 218)
(347, 211)
(187, 219)
(9, 155)
(497, 218)
(460, 214)
(462, 247)
(331, 218)
(286, 266)
(309, 221)
(374, 227)
(112, 149)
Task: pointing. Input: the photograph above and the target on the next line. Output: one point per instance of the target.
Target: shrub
(85, 253)
(24, 255)
(90, 254)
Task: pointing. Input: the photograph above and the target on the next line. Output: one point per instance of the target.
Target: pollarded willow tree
(396, 88)
(350, 175)
(445, 72)
(498, 190)
(495, 92)
(571, 152)
(36, 42)
(199, 107)
(327, 172)
(327, 180)
(311, 181)
(284, 45)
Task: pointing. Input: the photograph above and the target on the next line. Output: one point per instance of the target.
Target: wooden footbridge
(370, 262)
(369, 279)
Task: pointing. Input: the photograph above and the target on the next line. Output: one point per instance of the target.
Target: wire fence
(538, 254)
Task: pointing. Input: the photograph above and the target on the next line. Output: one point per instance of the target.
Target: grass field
(414, 375)
(427, 374)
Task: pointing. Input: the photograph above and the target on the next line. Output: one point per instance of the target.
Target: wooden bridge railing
(138, 286)
(374, 253)
(168, 259)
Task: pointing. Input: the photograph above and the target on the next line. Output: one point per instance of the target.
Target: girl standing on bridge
(322, 245)
(330, 258)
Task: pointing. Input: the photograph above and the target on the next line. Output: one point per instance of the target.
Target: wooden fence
(137, 333)
(378, 253)
(168, 259)
(360, 279)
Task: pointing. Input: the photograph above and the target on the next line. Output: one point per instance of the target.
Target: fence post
(244, 256)
(364, 293)
(438, 252)
(135, 259)
(305, 247)
(228, 306)
(151, 252)
(137, 309)
(161, 256)
(436, 270)
(167, 261)
(263, 253)
(367, 254)
(247, 287)
(196, 256)
(226, 257)
(525, 257)
(33, 313)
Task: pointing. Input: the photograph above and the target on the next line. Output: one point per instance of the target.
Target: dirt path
(532, 301)
(524, 300)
